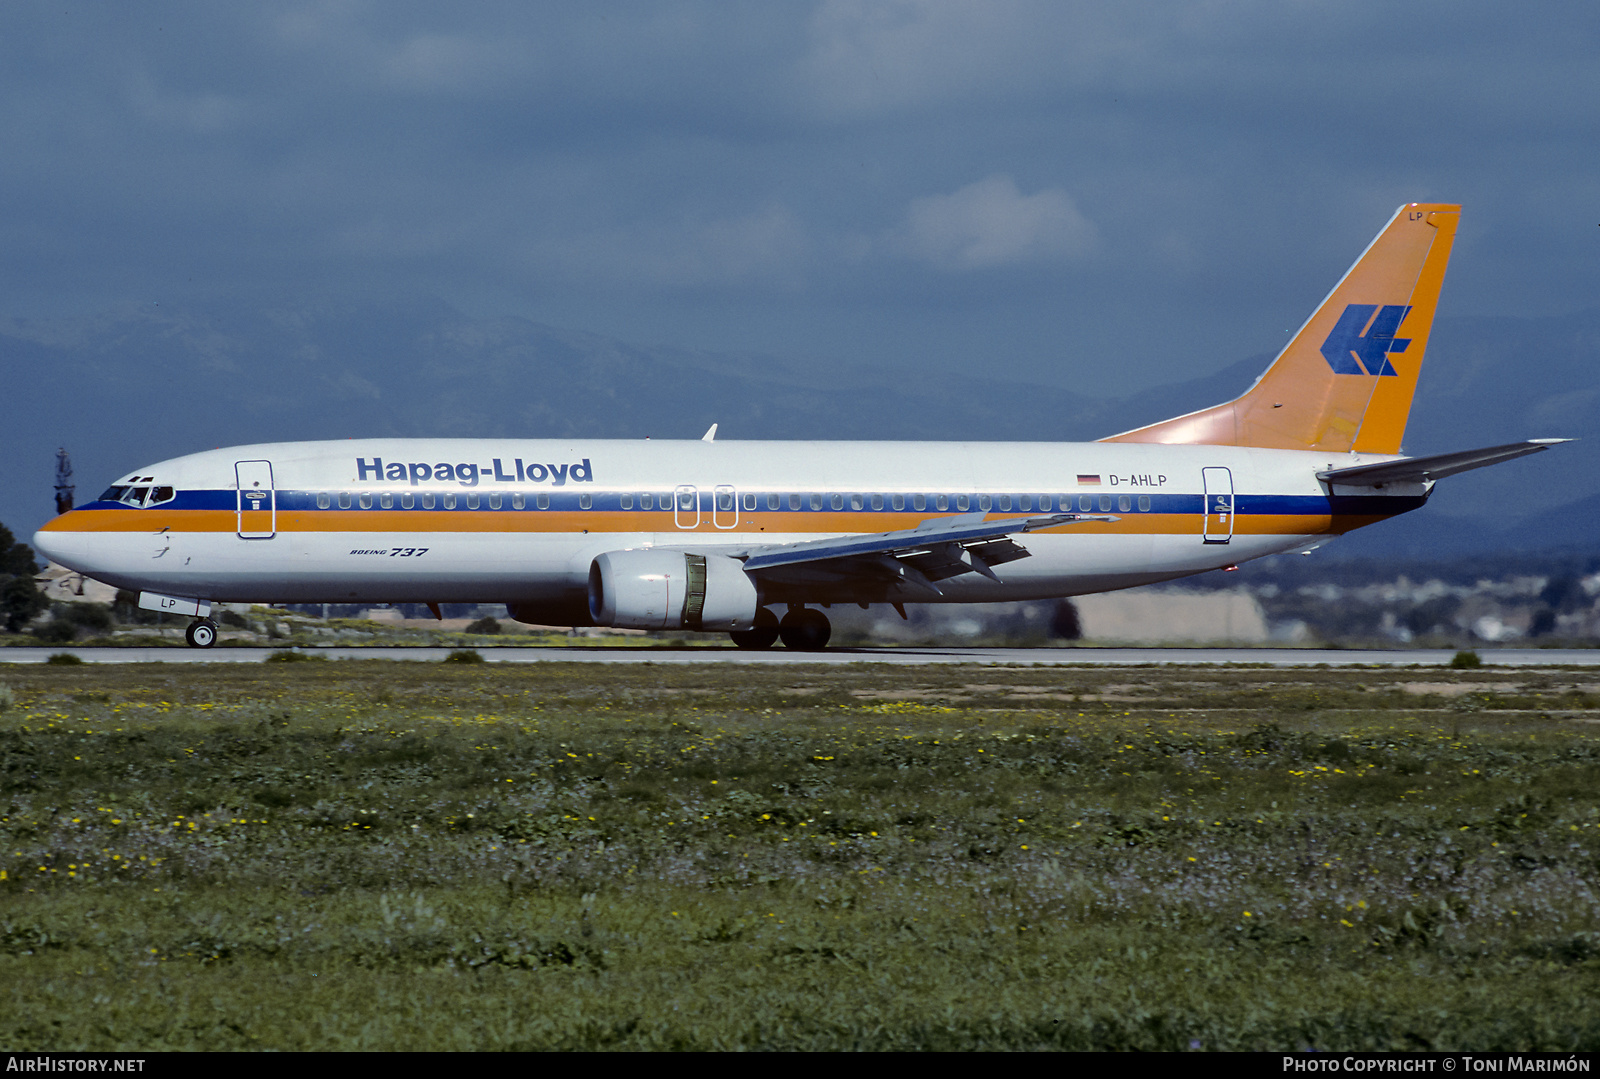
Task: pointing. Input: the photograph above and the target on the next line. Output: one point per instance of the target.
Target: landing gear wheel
(201, 634)
(805, 630)
(761, 635)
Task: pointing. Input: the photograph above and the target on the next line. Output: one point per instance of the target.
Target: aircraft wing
(1438, 466)
(934, 550)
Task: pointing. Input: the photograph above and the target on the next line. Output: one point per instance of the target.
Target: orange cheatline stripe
(428, 522)
(144, 521)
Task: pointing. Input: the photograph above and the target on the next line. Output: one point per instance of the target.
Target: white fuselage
(509, 521)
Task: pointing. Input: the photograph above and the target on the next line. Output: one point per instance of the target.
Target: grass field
(382, 855)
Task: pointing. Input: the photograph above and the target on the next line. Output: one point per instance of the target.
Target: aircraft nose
(62, 548)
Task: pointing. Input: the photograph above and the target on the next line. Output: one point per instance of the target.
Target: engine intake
(651, 589)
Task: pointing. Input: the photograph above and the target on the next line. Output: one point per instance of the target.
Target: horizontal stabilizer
(1436, 467)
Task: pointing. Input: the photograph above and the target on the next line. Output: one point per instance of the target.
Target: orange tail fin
(1346, 380)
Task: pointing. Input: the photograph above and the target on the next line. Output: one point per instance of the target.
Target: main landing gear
(202, 633)
(802, 629)
(761, 635)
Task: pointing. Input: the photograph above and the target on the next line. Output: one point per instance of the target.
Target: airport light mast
(64, 487)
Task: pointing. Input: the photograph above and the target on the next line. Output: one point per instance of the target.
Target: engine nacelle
(652, 589)
(573, 611)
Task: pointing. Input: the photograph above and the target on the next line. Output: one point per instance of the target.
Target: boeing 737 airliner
(711, 535)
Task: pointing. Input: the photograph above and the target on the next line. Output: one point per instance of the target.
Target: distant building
(62, 585)
(1140, 617)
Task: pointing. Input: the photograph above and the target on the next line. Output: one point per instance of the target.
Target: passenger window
(586, 502)
(344, 500)
(1105, 503)
(943, 501)
(898, 502)
(749, 502)
(686, 500)
(449, 501)
(427, 500)
(472, 501)
(794, 502)
(646, 501)
(857, 502)
(495, 501)
(877, 502)
(1005, 502)
(1086, 502)
(963, 502)
(323, 501)
(543, 501)
(919, 502)
(407, 501)
(366, 500)
(1144, 503)
(627, 502)
(1124, 503)
(386, 500)
(836, 501)
(519, 501)
(773, 501)
(816, 502)
(1024, 502)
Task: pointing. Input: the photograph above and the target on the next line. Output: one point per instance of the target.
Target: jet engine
(654, 589)
(567, 610)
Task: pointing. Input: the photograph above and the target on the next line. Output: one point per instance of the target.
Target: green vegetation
(124, 623)
(378, 855)
(20, 600)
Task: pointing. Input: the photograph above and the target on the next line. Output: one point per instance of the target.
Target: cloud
(991, 223)
(451, 62)
(765, 246)
(868, 57)
(199, 113)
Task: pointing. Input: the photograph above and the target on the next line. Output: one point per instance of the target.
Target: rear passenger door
(1218, 527)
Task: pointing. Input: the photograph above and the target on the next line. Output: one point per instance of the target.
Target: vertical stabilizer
(1345, 381)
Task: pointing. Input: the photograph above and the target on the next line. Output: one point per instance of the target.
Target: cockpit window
(138, 496)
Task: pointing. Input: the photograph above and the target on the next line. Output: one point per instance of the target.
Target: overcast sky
(1101, 195)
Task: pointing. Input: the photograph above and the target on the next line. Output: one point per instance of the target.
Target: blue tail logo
(1356, 348)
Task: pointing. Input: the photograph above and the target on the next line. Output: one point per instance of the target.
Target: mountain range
(140, 384)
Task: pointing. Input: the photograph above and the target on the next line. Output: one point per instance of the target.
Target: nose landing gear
(202, 633)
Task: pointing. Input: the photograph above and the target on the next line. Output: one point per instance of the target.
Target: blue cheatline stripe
(567, 500)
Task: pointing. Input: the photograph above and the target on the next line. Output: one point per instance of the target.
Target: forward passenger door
(257, 503)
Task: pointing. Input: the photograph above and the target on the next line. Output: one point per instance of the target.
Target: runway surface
(1009, 657)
